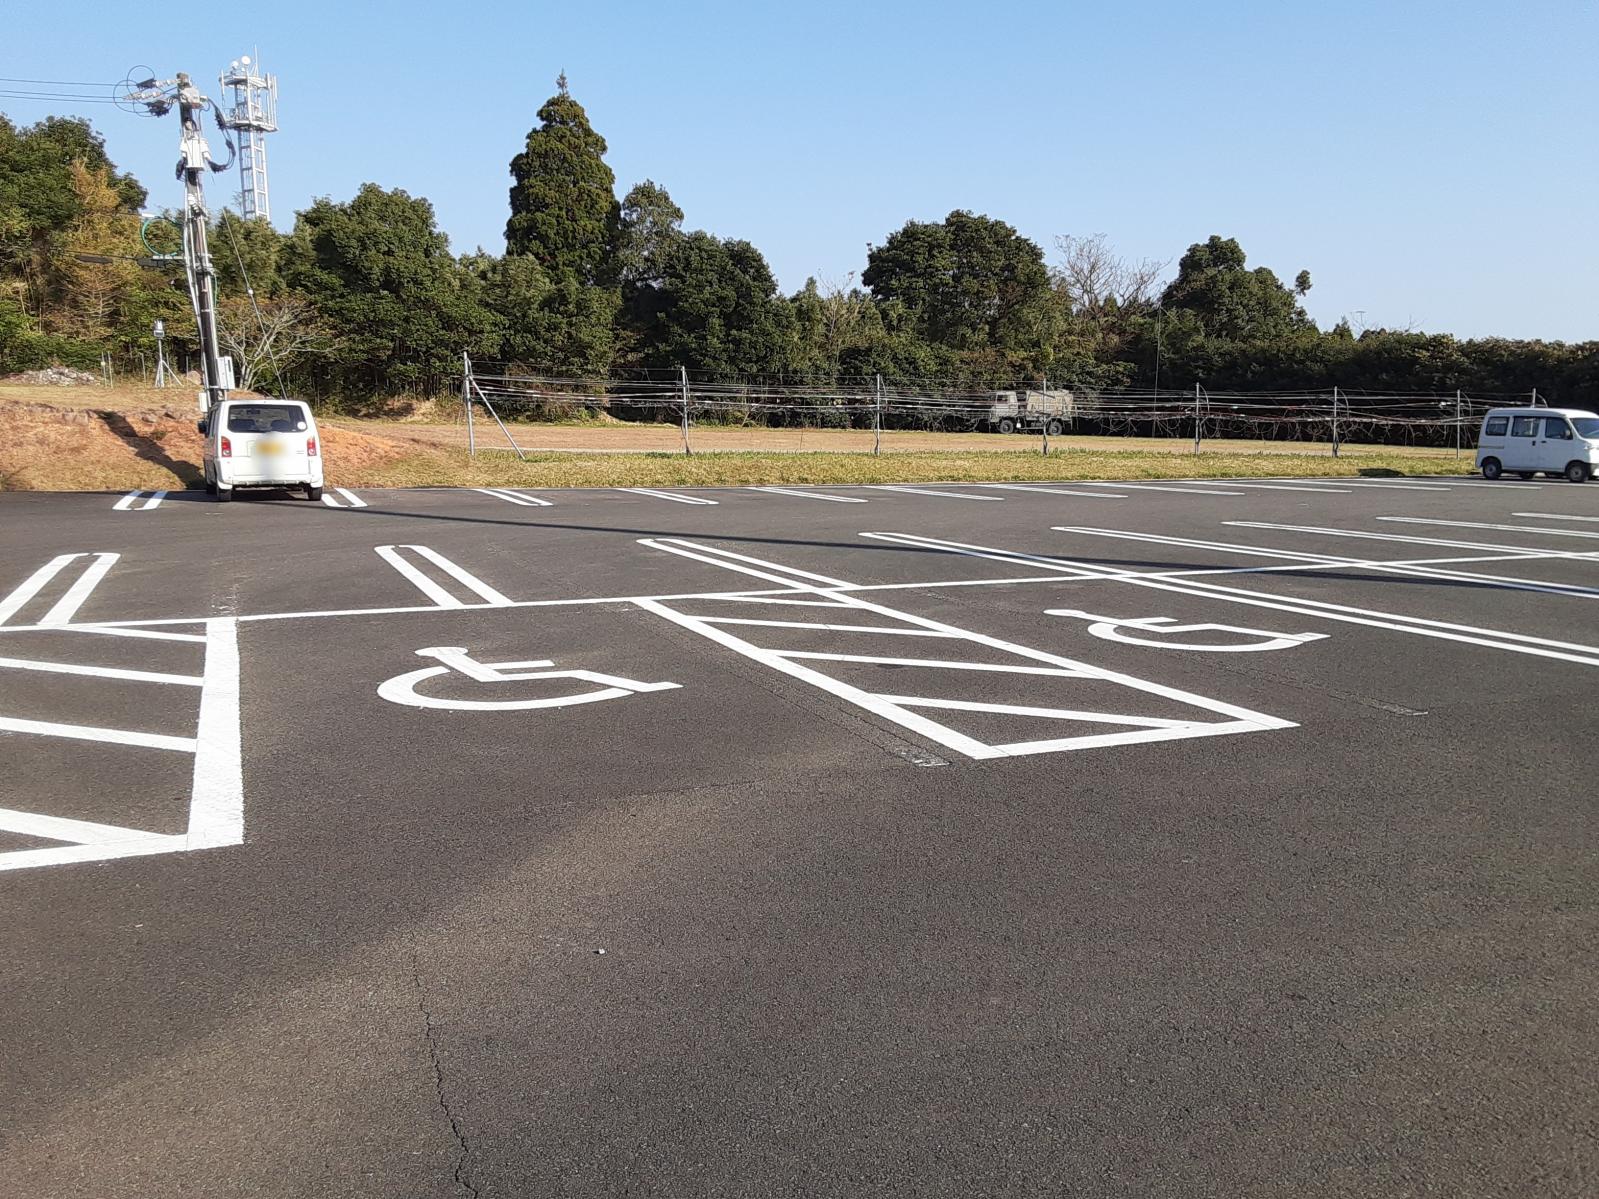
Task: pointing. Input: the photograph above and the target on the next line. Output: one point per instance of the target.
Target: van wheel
(1054, 428)
(1491, 468)
(313, 493)
(1007, 425)
(224, 494)
(1577, 472)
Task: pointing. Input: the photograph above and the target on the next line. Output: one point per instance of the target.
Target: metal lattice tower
(253, 112)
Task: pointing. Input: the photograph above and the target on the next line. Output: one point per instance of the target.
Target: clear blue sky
(1432, 164)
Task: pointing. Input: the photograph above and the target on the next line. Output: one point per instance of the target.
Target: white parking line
(514, 497)
(354, 501)
(1586, 655)
(1556, 516)
(1287, 487)
(429, 588)
(1162, 487)
(99, 672)
(69, 603)
(667, 495)
(812, 495)
(78, 732)
(1468, 524)
(954, 495)
(1363, 535)
(1098, 495)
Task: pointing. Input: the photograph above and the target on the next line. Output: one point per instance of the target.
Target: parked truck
(1030, 412)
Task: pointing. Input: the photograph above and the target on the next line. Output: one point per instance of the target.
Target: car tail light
(227, 448)
(310, 446)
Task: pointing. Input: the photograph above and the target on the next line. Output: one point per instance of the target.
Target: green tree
(379, 272)
(971, 284)
(719, 311)
(563, 205)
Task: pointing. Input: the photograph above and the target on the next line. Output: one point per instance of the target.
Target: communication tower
(252, 110)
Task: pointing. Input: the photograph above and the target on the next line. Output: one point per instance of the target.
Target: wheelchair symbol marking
(1109, 629)
(402, 688)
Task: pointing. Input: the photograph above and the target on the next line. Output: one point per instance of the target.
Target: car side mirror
(203, 425)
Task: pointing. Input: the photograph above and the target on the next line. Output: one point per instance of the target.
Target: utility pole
(1196, 418)
(682, 373)
(1335, 421)
(877, 419)
(1457, 423)
(194, 158)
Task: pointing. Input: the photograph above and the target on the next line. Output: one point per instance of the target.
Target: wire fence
(1334, 416)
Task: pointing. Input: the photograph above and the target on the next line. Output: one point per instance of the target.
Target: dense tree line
(364, 297)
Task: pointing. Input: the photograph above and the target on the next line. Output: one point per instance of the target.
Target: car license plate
(268, 448)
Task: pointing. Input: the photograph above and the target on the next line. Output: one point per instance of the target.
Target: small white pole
(1196, 418)
(1457, 422)
(877, 419)
(1335, 421)
(682, 373)
(466, 401)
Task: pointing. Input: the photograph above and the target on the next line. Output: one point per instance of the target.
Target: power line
(56, 82)
(54, 98)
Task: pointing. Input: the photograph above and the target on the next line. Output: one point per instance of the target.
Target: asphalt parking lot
(1180, 838)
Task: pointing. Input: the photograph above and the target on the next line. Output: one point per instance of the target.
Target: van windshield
(1587, 426)
(266, 418)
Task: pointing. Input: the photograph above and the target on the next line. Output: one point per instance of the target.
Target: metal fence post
(466, 402)
(1044, 401)
(1335, 422)
(682, 374)
(877, 419)
(1196, 418)
(1457, 423)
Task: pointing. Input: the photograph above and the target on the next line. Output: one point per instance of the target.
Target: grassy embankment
(92, 439)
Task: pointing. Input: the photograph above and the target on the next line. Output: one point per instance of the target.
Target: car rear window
(266, 418)
(1496, 426)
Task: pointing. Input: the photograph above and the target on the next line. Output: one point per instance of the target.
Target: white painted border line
(1242, 719)
(440, 597)
(126, 502)
(802, 624)
(1098, 495)
(667, 495)
(99, 672)
(813, 495)
(721, 553)
(1469, 524)
(60, 828)
(80, 732)
(514, 497)
(1362, 535)
(1556, 516)
(1284, 487)
(1308, 561)
(1164, 487)
(468, 580)
(1492, 638)
(953, 495)
(67, 606)
(32, 585)
(354, 501)
(216, 800)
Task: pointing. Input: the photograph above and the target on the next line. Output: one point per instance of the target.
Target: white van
(261, 443)
(1556, 441)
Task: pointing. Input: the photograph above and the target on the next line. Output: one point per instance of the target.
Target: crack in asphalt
(438, 1079)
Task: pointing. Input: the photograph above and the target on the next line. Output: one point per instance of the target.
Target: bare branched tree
(267, 342)
(1093, 277)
